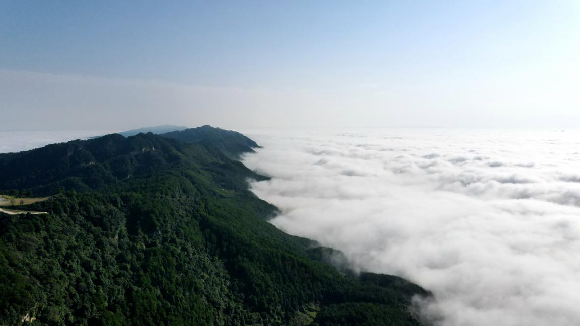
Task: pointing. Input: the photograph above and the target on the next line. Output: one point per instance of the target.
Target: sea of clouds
(489, 221)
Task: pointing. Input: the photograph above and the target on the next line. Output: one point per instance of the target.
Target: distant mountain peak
(162, 129)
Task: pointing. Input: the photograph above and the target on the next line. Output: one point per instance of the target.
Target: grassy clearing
(306, 315)
(18, 201)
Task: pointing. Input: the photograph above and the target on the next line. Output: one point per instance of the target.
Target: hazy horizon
(22, 140)
(262, 64)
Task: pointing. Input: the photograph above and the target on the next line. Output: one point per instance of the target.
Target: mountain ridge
(156, 230)
(231, 143)
(155, 130)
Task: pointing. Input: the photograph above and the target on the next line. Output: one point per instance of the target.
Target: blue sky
(333, 63)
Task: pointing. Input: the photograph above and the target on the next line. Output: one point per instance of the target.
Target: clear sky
(246, 64)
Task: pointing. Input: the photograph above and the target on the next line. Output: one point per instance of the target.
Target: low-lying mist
(489, 221)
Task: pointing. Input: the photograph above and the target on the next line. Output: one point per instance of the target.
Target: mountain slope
(171, 236)
(231, 143)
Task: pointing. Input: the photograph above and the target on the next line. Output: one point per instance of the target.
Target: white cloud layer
(487, 220)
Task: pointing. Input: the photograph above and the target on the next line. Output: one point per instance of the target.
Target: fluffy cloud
(488, 221)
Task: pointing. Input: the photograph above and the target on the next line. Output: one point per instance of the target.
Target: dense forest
(228, 142)
(162, 230)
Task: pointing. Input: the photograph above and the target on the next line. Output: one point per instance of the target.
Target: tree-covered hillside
(231, 143)
(148, 230)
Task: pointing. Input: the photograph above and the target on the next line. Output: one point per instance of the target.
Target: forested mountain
(231, 143)
(149, 230)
